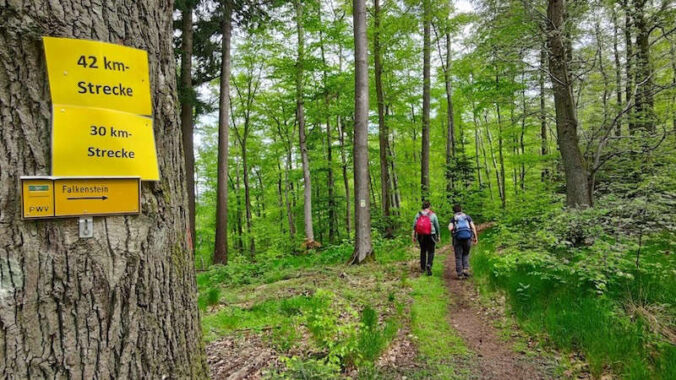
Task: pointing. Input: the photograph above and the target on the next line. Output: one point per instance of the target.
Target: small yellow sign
(98, 74)
(87, 141)
(45, 197)
(37, 196)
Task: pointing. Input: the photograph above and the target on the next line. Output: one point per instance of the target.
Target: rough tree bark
(221, 244)
(363, 248)
(645, 113)
(577, 185)
(300, 116)
(186, 96)
(382, 126)
(425, 153)
(122, 304)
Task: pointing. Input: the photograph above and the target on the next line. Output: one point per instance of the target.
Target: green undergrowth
(322, 317)
(613, 319)
(329, 320)
(437, 342)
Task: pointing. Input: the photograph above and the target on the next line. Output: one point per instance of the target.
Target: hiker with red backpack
(464, 234)
(426, 230)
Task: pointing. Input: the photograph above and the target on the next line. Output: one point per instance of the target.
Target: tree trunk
(425, 153)
(346, 181)
(629, 59)
(577, 185)
(450, 133)
(122, 304)
(382, 126)
(544, 149)
(247, 198)
(329, 151)
(645, 112)
(221, 245)
(288, 189)
(363, 248)
(502, 179)
(238, 193)
(187, 96)
(618, 71)
(300, 115)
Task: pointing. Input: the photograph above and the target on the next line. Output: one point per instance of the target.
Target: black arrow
(103, 198)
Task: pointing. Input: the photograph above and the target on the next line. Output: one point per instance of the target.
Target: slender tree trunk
(501, 182)
(544, 148)
(425, 153)
(221, 245)
(120, 305)
(247, 197)
(300, 115)
(602, 69)
(260, 195)
(187, 99)
(329, 151)
(577, 185)
(645, 104)
(522, 178)
(382, 126)
(288, 189)
(629, 66)
(280, 194)
(343, 154)
(450, 123)
(363, 248)
(238, 192)
(618, 71)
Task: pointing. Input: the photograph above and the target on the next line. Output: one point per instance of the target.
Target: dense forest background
(554, 119)
(491, 114)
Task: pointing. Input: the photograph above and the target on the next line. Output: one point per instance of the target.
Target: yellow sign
(37, 196)
(45, 197)
(87, 141)
(98, 74)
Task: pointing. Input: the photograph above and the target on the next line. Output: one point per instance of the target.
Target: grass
(324, 317)
(579, 320)
(437, 342)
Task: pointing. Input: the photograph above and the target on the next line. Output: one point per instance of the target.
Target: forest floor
(446, 328)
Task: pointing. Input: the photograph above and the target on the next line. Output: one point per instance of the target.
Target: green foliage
(581, 302)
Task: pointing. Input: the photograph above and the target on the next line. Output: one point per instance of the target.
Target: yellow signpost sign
(101, 106)
(90, 141)
(98, 74)
(52, 197)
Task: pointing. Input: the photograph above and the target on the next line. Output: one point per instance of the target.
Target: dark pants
(427, 244)
(461, 248)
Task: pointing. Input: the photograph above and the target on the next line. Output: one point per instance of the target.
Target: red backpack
(423, 226)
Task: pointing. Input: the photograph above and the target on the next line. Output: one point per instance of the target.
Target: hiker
(426, 230)
(464, 233)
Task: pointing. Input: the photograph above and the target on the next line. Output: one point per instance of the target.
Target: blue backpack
(461, 227)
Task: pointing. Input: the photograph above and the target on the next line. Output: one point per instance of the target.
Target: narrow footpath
(495, 358)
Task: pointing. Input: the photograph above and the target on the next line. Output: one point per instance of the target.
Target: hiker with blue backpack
(464, 234)
(427, 232)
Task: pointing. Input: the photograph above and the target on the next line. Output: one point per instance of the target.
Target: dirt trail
(495, 359)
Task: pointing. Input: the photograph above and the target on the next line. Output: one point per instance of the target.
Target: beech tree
(123, 303)
(363, 247)
(577, 186)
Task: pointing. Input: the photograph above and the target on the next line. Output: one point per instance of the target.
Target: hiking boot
(465, 273)
(429, 271)
(461, 276)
